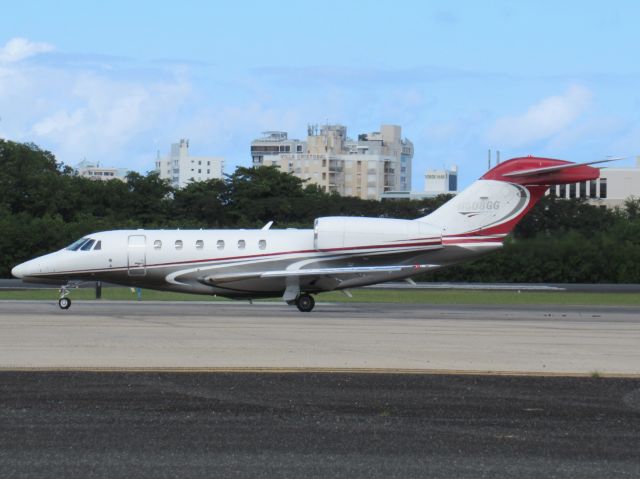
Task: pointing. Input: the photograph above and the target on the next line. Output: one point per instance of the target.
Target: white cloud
(18, 49)
(543, 120)
(83, 110)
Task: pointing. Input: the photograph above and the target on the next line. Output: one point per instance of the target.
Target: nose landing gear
(64, 302)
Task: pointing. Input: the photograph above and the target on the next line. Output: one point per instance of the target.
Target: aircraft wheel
(64, 303)
(305, 302)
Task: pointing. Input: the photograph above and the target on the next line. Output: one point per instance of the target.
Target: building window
(592, 189)
(220, 244)
(199, 244)
(241, 244)
(603, 187)
(563, 191)
(572, 190)
(157, 244)
(178, 244)
(453, 182)
(262, 244)
(199, 171)
(208, 172)
(583, 189)
(208, 163)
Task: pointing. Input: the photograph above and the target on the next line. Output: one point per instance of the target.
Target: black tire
(64, 303)
(305, 303)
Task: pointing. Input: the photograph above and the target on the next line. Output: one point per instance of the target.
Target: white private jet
(337, 254)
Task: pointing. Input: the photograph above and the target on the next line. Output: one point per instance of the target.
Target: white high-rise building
(182, 169)
(367, 167)
(439, 182)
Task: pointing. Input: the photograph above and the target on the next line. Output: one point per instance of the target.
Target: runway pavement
(317, 425)
(154, 389)
(336, 337)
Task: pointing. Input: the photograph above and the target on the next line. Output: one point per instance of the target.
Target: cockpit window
(76, 244)
(87, 246)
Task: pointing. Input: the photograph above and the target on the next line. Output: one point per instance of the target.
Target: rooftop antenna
(497, 157)
(489, 159)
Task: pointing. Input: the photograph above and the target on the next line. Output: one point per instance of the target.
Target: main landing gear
(64, 303)
(305, 302)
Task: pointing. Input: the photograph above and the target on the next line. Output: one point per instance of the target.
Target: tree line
(44, 206)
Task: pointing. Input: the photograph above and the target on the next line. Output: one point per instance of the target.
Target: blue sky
(116, 81)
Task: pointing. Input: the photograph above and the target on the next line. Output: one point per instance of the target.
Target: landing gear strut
(64, 302)
(305, 302)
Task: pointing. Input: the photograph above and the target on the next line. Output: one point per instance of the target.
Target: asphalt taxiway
(335, 337)
(62, 424)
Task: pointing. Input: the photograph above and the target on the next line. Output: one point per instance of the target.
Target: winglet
(267, 226)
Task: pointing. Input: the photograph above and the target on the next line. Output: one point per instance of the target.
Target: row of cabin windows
(242, 244)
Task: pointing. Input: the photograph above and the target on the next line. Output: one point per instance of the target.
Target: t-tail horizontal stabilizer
(550, 169)
(535, 171)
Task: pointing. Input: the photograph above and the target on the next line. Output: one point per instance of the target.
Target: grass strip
(364, 296)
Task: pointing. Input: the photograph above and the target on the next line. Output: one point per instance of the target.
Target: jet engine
(336, 232)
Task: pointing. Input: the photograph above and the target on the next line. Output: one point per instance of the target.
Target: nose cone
(18, 271)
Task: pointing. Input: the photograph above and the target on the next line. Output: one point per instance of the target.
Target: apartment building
(181, 168)
(367, 167)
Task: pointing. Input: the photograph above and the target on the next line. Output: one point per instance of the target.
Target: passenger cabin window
(87, 246)
(178, 244)
(157, 244)
(241, 244)
(220, 244)
(98, 246)
(262, 244)
(199, 244)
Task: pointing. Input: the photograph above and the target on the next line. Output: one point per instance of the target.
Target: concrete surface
(131, 335)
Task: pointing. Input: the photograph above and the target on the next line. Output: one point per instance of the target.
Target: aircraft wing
(217, 279)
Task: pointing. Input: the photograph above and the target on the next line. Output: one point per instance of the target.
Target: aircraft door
(137, 255)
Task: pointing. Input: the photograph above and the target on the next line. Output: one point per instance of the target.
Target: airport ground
(100, 424)
(165, 389)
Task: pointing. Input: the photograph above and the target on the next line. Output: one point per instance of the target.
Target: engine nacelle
(335, 232)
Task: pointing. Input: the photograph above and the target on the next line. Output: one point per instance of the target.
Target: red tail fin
(492, 206)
